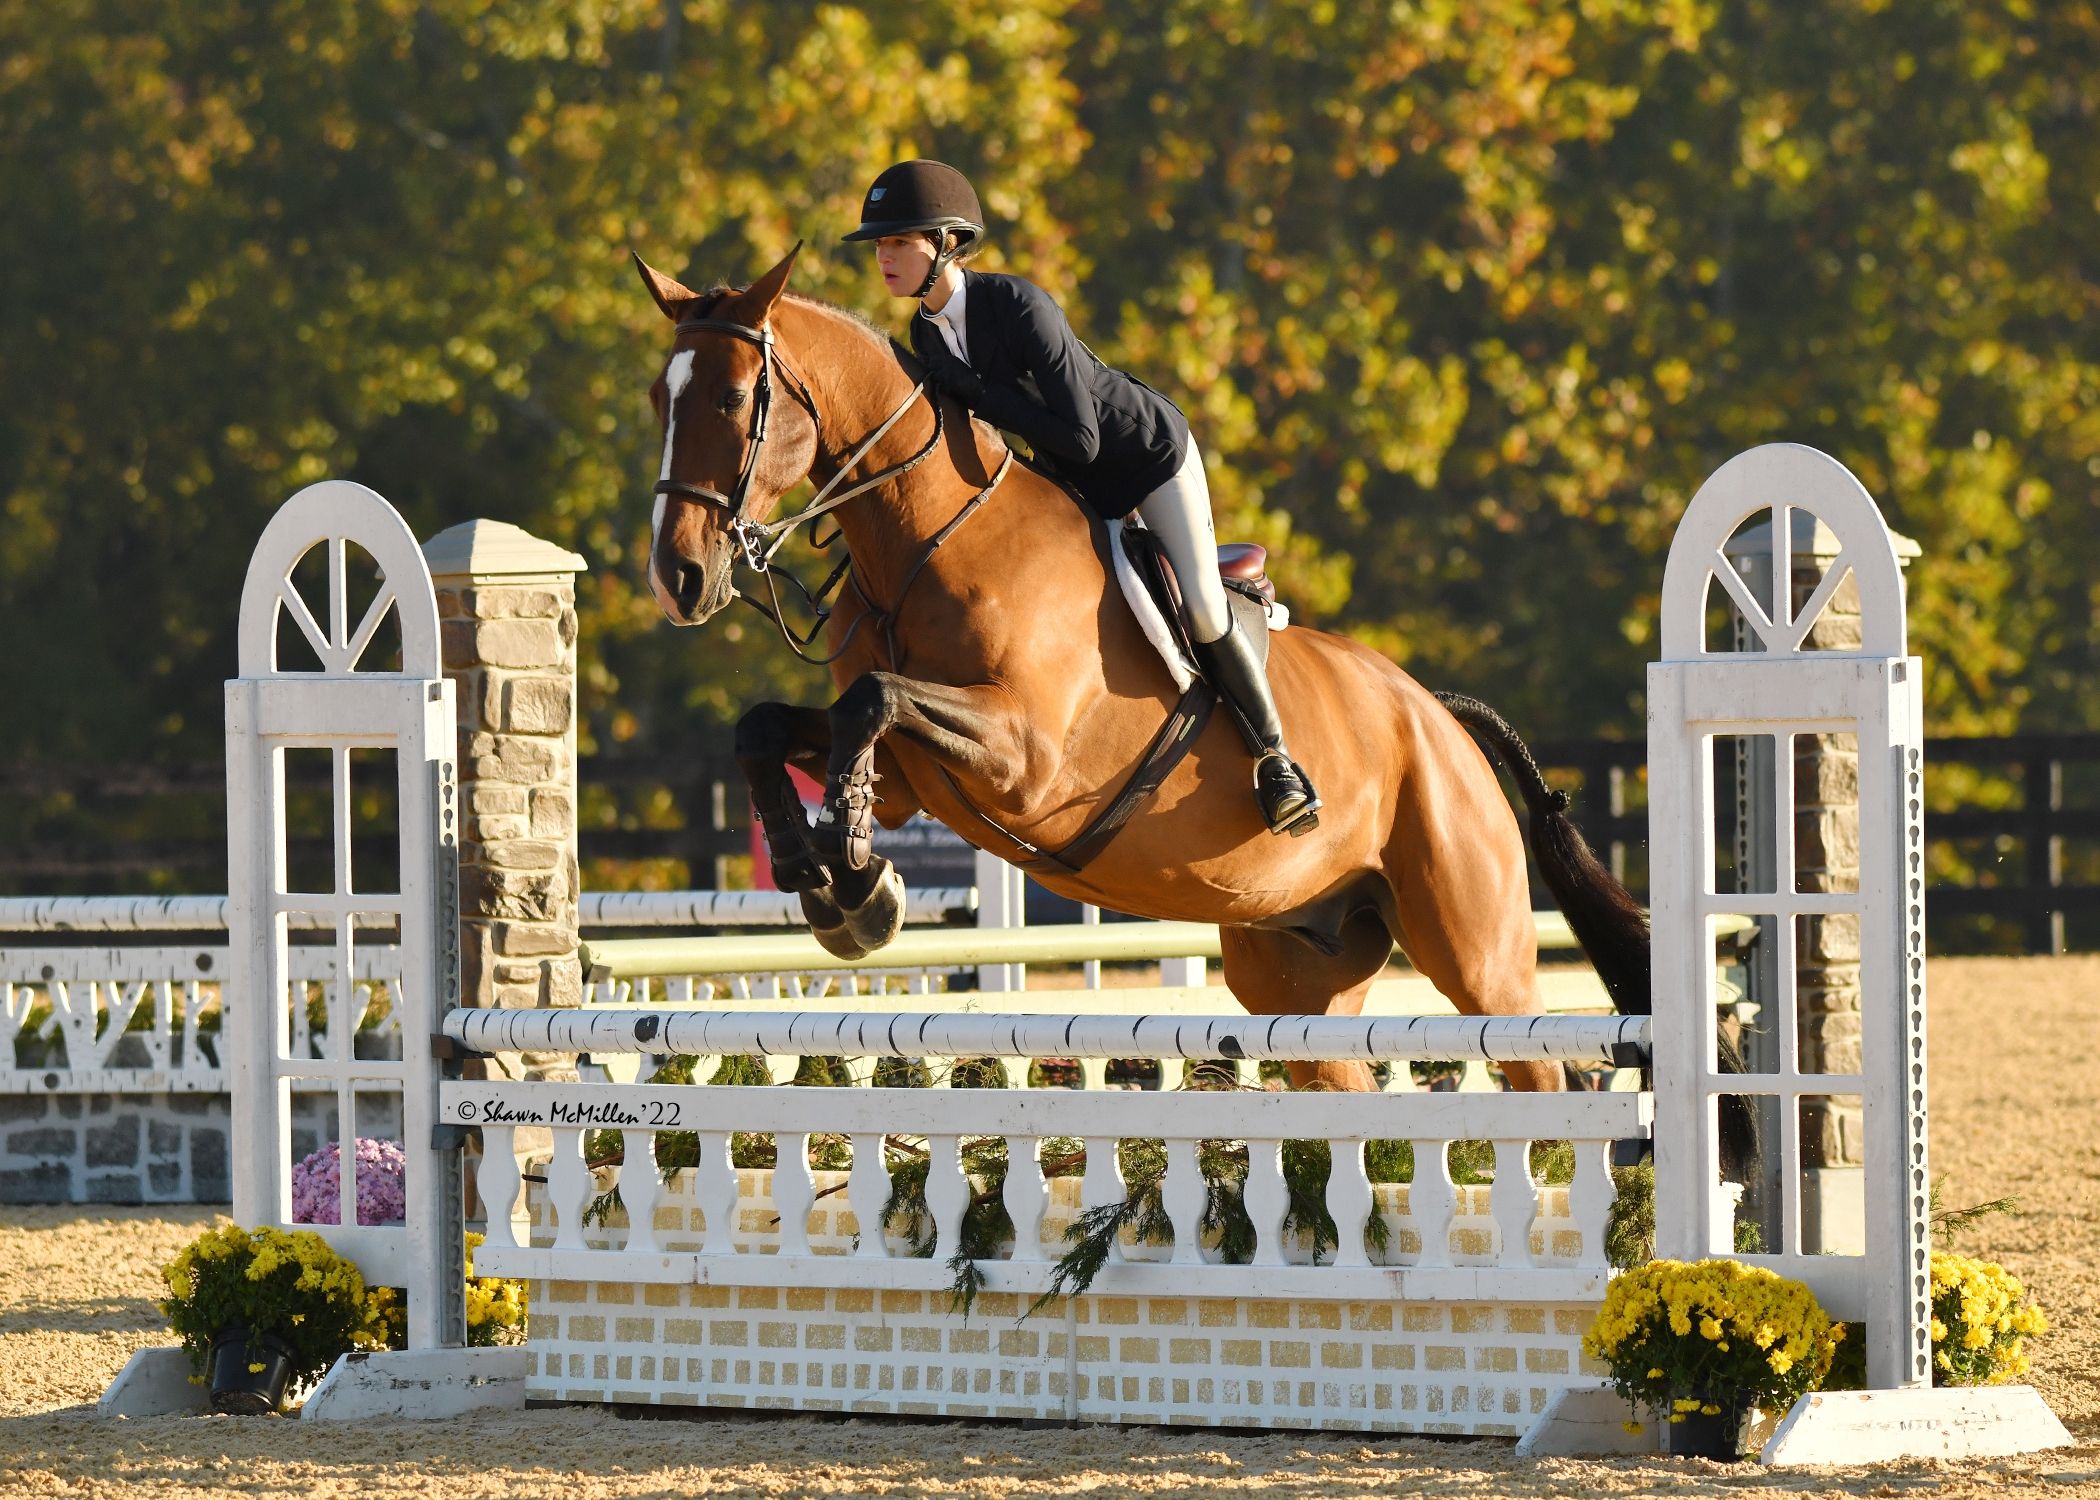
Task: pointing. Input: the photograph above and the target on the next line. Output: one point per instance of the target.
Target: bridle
(758, 541)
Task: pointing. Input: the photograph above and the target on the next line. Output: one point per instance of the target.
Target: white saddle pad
(1153, 623)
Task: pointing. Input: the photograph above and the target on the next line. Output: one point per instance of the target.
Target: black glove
(947, 374)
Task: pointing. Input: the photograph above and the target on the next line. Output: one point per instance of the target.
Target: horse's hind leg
(1273, 973)
(1465, 920)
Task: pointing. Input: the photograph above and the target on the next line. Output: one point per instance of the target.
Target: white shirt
(950, 321)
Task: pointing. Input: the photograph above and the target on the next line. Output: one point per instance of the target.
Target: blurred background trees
(1463, 299)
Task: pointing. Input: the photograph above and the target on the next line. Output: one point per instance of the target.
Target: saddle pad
(1154, 624)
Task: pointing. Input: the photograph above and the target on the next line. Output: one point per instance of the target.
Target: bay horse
(990, 673)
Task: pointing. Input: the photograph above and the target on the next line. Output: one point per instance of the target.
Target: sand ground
(2013, 1113)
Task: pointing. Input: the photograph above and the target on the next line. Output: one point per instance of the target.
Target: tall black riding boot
(1288, 801)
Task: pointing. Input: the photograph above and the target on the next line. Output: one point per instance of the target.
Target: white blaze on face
(676, 379)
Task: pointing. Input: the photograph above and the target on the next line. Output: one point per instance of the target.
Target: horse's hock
(715, 1285)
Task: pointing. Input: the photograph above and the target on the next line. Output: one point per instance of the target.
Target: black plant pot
(1717, 1437)
(236, 1388)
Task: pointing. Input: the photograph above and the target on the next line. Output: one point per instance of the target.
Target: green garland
(1140, 1215)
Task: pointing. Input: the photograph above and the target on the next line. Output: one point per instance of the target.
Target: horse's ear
(669, 294)
(756, 301)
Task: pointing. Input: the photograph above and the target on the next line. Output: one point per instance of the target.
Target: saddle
(1242, 568)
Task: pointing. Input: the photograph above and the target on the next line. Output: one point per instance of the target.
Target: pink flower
(381, 1199)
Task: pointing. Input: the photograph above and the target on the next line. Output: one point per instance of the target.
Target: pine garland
(1140, 1216)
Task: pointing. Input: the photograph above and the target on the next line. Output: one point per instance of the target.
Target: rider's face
(904, 260)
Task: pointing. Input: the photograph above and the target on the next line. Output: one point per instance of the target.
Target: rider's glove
(945, 373)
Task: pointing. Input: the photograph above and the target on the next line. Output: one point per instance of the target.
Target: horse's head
(731, 447)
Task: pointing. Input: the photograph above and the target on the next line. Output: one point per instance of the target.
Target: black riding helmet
(928, 197)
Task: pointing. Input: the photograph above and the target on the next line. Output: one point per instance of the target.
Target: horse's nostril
(690, 582)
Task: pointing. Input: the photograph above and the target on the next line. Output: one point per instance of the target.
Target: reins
(759, 541)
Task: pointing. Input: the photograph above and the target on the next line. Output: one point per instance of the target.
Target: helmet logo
(875, 195)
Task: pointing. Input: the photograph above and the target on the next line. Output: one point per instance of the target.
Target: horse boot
(1288, 802)
(846, 821)
(864, 907)
(788, 846)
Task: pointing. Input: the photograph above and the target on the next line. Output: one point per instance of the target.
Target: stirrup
(1307, 817)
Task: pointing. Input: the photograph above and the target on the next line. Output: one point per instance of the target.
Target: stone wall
(141, 1148)
(507, 609)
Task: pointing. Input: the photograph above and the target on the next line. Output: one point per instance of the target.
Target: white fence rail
(1511, 1248)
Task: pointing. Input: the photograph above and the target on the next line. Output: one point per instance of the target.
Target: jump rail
(1247, 1038)
(1114, 942)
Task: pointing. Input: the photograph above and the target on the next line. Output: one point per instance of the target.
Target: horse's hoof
(875, 922)
(827, 923)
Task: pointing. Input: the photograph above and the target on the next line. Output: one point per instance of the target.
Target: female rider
(1003, 348)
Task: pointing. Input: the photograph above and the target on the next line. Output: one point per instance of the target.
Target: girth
(1185, 721)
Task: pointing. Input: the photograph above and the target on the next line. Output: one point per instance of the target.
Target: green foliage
(1462, 303)
(901, 1073)
(1950, 1224)
(289, 1285)
(1629, 1231)
(1141, 1215)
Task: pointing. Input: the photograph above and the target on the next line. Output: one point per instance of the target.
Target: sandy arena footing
(2012, 1115)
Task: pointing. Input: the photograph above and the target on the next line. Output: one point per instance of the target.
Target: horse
(990, 674)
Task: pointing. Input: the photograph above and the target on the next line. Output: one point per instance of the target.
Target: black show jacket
(1108, 435)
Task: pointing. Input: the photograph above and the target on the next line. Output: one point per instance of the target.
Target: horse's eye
(733, 399)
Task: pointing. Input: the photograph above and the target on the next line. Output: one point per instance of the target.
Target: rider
(1003, 348)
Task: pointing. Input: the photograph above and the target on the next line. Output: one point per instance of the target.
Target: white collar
(950, 320)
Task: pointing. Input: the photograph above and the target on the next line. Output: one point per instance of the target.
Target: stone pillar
(507, 608)
(1826, 858)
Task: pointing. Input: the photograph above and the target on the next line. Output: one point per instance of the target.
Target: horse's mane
(860, 320)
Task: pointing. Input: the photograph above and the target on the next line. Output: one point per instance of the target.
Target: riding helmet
(921, 195)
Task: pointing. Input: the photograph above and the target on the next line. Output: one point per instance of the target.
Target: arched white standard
(1779, 686)
(398, 727)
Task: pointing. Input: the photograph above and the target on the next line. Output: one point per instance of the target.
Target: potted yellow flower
(1980, 1320)
(495, 1309)
(1705, 1343)
(259, 1309)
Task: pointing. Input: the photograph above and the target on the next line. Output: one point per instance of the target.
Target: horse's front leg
(972, 730)
(768, 737)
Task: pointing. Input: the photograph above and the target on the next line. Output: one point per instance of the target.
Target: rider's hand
(947, 374)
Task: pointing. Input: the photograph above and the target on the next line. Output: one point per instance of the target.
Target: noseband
(758, 541)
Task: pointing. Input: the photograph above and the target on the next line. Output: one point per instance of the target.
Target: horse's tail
(1610, 925)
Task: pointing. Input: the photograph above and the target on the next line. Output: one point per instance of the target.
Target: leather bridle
(758, 541)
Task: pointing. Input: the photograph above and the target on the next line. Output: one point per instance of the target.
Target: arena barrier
(721, 1286)
(113, 1088)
